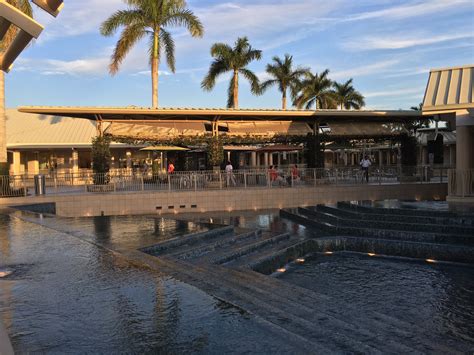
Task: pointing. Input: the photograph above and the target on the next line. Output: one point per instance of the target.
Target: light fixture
(328, 252)
(371, 254)
(282, 269)
(300, 260)
(53, 7)
(430, 260)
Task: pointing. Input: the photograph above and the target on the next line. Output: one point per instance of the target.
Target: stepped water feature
(261, 265)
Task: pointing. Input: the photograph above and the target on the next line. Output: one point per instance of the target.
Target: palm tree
(25, 7)
(314, 89)
(346, 97)
(234, 60)
(417, 108)
(150, 18)
(284, 76)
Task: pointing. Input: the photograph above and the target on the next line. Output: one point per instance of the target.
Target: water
(67, 295)
(437, 298)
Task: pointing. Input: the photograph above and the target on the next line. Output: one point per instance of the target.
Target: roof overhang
(139, 114)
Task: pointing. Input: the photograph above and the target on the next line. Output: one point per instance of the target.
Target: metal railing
(461, 182)
(81, 182)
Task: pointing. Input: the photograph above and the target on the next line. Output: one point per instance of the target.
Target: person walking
(365, 163)
(229, 174)
(170, 168)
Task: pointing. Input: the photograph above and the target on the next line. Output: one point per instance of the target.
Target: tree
(234, 60)
(314, 90)
(25, 7)
(150, 18)
(346, 97)
(101, 159)
(417, 108)
(284, 76)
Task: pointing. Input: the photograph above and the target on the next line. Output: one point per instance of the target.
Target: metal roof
(449, 88)
(118, 114)
(42, 131)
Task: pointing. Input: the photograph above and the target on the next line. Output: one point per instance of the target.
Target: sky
(386, 46)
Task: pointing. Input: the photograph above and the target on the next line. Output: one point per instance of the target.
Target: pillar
(464, 148)
(129, 159)
(253, 159)
(16, 166)
(464, 151)
(452, 155)
(270, 159)
(265, 159)
(75, 161)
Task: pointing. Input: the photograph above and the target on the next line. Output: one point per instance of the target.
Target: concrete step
(206, 247)
(353, 214)
(332, 216)
(399, 211)
(188, 240)
(249, 248)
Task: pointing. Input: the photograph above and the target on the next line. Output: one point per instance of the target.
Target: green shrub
(101, 160)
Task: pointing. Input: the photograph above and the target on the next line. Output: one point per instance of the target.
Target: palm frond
(129, 37)
(253, 79)
(168, 44)
(122, 18)
(217, 68)
(185, 18)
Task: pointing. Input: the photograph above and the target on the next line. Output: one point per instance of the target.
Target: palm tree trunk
(3, 132)
(283, 100)
(154, 70)
(236, 89)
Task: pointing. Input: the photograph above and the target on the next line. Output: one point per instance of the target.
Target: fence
(23, 185)
(461, 182)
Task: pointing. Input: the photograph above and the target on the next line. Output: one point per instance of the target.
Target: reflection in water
(102, 228)
(66, 296)
(437, 298)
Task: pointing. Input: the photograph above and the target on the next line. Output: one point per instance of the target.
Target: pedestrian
(295, 174)
(229, 174)
(365, 163)
(170, 168)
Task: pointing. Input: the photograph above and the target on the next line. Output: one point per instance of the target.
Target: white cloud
(363, 70)
(412, 10)
(400, 42)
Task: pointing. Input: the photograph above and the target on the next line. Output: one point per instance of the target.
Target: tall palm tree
(284, 76)
(314, 89)
(347, 97)
(234, 60)
(25, 7)
(150, 18)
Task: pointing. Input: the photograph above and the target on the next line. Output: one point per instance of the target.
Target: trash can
(40, 186)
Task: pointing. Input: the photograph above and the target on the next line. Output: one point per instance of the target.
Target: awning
(164, 148)
(156, 130)
(361, 129)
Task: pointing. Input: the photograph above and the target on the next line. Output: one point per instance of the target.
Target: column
(464, 148)
(228, 156)
(253, 159)
(452, 155)
(75, 161)
(129, 159)
(270, 159)
(16, 166)
(265, 159)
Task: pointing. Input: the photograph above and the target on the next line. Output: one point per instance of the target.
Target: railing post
(143, 183)
(336, 175)
(220, 180)
(169, 182)
(245, 179)
(314, 176)
(25, 190)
